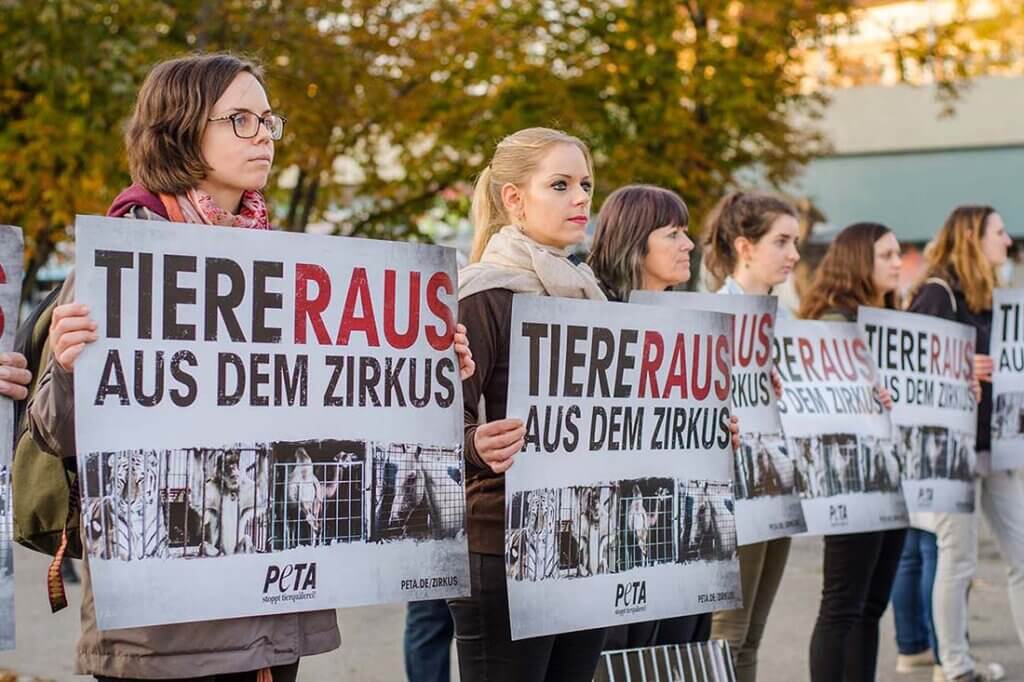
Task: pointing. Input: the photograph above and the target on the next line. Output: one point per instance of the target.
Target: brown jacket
(488, 317)
(168, 651)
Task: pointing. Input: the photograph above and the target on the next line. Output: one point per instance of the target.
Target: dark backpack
(45, 488)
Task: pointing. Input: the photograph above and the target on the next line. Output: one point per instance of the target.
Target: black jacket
(933, 299)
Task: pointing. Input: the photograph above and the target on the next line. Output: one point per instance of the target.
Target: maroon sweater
(137, 195)
(488, 319)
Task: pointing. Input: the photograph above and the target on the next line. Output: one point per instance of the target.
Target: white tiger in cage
(531, 552)
(139, 531)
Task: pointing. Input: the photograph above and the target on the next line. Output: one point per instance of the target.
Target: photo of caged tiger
(209, 502)
(580, 531)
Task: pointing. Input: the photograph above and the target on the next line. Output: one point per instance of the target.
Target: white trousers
(1000, 496)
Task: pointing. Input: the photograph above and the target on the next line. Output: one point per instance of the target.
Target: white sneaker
(911, 663)
(983, 672)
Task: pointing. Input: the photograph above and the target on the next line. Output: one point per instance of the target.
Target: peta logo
(631, 594)
(837, 514)
(925, 496)
(290, 578)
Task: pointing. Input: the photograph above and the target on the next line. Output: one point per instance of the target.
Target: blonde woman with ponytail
(530, 207)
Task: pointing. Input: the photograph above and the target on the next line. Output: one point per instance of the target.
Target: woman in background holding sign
(751, 247)
(530, 207)
(958, 285)
(861, 267)
(640, 243)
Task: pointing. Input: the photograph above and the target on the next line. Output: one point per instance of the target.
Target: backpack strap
(55, 592)
(949, 290)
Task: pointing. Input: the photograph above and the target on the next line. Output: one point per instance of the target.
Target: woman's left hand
(734, 429)
(466, 364)
(14, 377)
(883, 395)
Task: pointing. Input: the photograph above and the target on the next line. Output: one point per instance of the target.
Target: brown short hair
(627, 218)
(167, 124)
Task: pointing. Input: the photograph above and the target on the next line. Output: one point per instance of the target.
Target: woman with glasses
(200, 145)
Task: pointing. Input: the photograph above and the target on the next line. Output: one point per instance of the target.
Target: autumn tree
(393, 106)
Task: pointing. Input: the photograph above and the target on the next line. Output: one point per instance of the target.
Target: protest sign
(1008, 379)
(11, 254)
(269, 422)
(764, 475)
(619, 507)
(837, 429)
(927, 363)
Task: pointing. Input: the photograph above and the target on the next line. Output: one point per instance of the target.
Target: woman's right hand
(70, 329)
(497, 442)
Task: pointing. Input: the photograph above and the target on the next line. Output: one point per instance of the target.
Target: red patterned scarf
(198, 207)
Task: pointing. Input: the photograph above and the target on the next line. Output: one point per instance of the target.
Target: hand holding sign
(776, 384)
(70, 329)
(983, 367)
(498, 441)
(884, 396)
(466, 364)
(13, 376)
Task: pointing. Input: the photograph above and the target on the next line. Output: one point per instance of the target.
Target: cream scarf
(515, 262)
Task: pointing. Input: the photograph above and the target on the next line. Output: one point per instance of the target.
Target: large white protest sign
(837, 429)
(619, 508)
(927, 364)
(764, 474)
(11, 253)
(269, 422)
(1008, 379)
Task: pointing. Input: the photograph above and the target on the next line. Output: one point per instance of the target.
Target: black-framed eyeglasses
(246, 124)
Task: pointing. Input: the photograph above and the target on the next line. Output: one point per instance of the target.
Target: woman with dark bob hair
(200, 146)
(641, 244)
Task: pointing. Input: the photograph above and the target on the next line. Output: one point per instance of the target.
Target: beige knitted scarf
(515, 262)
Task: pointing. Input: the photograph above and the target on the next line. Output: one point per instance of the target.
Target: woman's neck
(653, 283)
(226, 198)
(750, 283)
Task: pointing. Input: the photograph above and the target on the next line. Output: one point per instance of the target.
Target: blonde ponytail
(515, 158)
(488, 214)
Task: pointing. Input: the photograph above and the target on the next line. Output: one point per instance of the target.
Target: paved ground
(371, 647)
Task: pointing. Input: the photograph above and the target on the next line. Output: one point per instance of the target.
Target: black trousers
(859, 572)
(679, 630)
(281, 673)
(484, 640)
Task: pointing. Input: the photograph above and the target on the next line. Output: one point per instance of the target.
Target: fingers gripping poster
(268, 423)
(764, 474)
(927, 364)
(11, 254)
(619, 508)
(837, 429)
(1008, 379)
